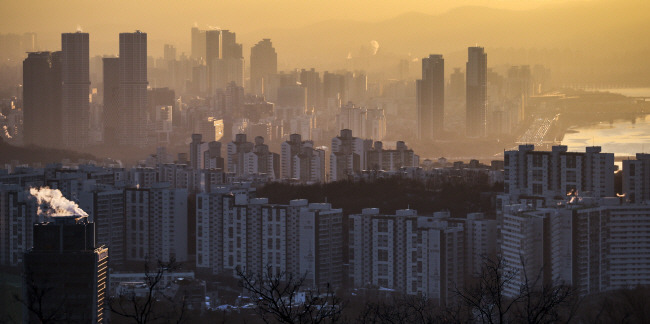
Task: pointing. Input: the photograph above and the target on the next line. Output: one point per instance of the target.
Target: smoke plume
(374, 47)
(52, 203)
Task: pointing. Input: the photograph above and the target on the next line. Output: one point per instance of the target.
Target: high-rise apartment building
(236, 151)
(289, 149)
(591, 244)
(348, 155)
(264, 63)
(42, 99)
(408, 253)
(156, 223)
(363, 122)
(320, 245)
(66, 272)
(18, 213)
(133, 89)
(456, 88)
(430, 94)
(378, 158)
(75, 105)
(480, 243)
(105, 208)
(205, 155)
(476, 92)
(334, 90)
(301, 161)
(235, 231)
(111, 115)
(636, 178)
(310, 79)
(544, 175)
(198, 39)
(224, 59)
(246, 158)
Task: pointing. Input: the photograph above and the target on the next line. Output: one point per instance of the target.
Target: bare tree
(42, 301)
(278, 297)
(153, 306)
(407, 309)
(544, 302)
(485, 298)
(536, 302)
(618, 306)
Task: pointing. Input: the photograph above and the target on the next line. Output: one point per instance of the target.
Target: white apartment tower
(636, 178)
(348, 155)
(237, 232)
(408, 253)
(301, 161)
(156, 223)
(551, 175)
(18, 213)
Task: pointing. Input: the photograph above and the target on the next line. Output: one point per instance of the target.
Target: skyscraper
(264, 62)
(476, 92)
(310, 80)
(42, 99)
(431, 98)
(224, 59)
(133, 88)
(111, 99)
(76, 86)
(65, 273)
(198, 43)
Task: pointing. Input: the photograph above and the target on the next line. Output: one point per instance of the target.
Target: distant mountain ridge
(603, 27)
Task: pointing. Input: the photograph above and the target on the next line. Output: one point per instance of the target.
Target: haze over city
(469, 161)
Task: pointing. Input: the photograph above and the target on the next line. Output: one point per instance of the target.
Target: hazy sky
(323, 33)
(242, 15)
(171, 19)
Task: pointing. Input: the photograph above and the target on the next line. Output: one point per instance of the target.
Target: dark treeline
(388, 194)
(36, 154)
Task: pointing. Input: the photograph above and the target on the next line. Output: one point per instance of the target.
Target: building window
(382, 255)
(571, 176)
(382, 226)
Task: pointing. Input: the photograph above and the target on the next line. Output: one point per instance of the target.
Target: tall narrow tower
(42, 99)
(76, 89)
(431, 98)
(65, 273)
(111, 68)
(264, 62)
(476, 92)
(198, 43)
(133, 89)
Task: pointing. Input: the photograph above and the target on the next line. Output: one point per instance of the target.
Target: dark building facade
(111, 99)
(476, 92)
(264, 63)
(133, 89)
(65, 273)
(76, 89)
(431, 98)
(42, 99)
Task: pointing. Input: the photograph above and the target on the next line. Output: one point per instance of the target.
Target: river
(622, 137)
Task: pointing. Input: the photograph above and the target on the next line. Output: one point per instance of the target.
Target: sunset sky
(307, 33)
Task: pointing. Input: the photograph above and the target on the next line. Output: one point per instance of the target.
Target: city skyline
(472, 161)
